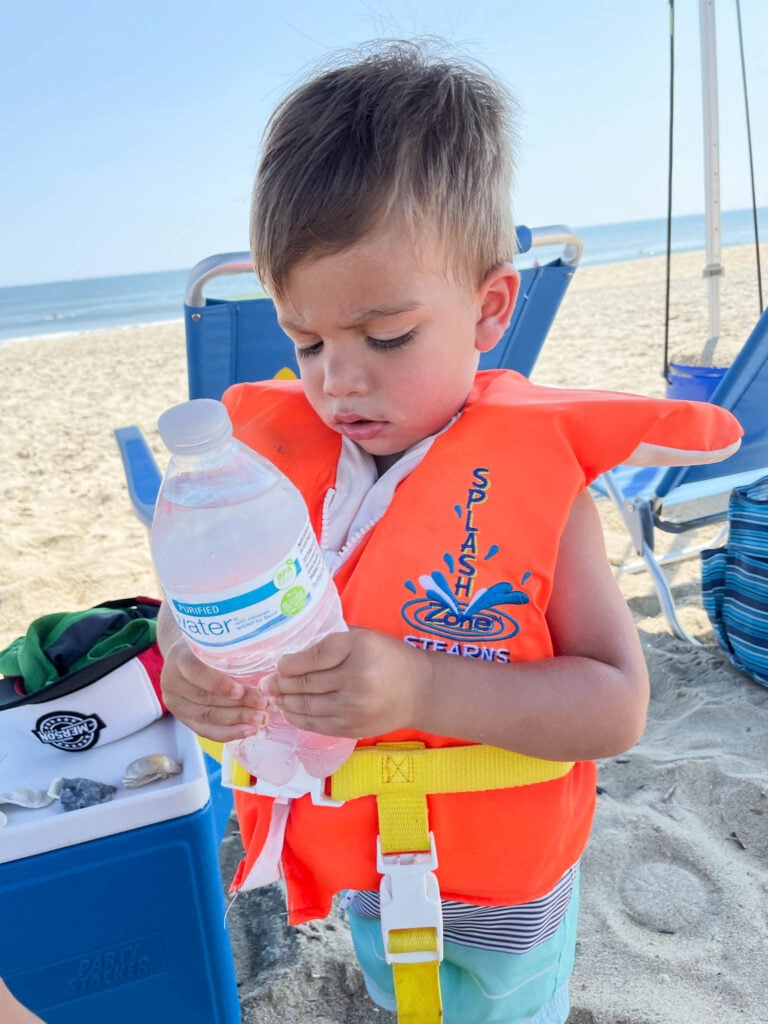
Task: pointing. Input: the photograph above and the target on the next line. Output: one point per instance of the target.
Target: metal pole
(713, 269)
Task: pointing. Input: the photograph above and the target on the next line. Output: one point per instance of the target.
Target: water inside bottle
(322, 755)
(270, 755)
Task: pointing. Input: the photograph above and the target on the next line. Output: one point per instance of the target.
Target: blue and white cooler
(112, 913)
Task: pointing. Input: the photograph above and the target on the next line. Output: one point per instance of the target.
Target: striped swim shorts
(483, 982)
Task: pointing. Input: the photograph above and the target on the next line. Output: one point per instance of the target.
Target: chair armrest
(141, 472)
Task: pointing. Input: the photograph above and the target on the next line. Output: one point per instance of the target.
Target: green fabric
(26, 657)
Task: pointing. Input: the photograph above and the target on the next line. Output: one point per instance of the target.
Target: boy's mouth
(356, 428)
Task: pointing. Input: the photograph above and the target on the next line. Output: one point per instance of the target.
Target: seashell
(75, 794)
(151, 768)
(32, 798)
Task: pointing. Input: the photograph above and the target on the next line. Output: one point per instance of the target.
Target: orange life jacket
(463, 561)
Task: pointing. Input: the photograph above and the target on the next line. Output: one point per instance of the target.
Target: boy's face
(387, 344)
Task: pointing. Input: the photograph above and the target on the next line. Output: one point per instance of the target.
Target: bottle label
(235, 617)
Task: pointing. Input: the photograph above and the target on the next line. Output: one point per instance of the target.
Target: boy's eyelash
(308, 350)
(382, 344)
(389, 344)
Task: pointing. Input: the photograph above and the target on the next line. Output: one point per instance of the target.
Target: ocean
(69, 306)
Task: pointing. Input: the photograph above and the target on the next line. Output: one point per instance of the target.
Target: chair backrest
(744, 391)
(229, 341)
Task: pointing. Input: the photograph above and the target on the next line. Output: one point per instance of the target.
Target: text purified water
(243, 575)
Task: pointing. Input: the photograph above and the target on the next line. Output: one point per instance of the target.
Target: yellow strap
(401, 776)
(404, 825)
(241, 777)
(410, 767)
(417, 986)
(412, 940)
(403, 822)
(216, 750)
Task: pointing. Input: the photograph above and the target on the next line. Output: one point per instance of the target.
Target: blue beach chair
(229, 341)
(651, 499)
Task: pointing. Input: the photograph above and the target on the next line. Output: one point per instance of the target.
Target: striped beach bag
(734, 582)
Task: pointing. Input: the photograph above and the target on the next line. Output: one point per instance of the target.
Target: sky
(129, 132)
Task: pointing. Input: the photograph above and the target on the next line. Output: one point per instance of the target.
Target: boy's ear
(497, 295)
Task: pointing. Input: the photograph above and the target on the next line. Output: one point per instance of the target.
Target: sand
(674, 920)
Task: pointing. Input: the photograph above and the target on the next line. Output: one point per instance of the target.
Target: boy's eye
(305, 351)
(388, 344)
(380, 344)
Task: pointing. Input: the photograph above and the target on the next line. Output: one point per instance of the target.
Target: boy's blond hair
(401, 134)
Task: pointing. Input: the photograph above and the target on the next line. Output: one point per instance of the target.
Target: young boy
(453, 510)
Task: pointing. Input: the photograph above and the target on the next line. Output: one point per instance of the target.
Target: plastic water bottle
(243, 575)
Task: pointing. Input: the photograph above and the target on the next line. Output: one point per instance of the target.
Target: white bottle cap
(193, 426)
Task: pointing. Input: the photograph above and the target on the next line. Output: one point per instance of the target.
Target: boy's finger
(314, 713)
(325, 654)
(308, 684)
(187, 689)
(182, 660)
(250, 701)
(254, 699)
(225, 724)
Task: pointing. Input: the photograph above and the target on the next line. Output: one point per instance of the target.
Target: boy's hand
(209, 702)
(358, 683)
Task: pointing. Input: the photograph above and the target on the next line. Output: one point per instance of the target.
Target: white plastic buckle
(410, 898)
(299, 785)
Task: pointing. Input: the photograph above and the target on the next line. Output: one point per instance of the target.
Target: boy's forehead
(292, 317)
(398, 252)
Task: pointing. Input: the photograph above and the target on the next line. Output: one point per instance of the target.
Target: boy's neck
(385, 462)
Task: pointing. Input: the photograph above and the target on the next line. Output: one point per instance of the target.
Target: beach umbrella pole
(713, 269)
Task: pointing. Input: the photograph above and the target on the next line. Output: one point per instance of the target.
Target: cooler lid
(26, 763)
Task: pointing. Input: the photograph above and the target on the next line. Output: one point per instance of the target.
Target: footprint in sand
(666, 897)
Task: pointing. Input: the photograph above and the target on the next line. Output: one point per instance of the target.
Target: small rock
(75, 794)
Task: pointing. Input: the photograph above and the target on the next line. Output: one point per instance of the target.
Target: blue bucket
(696, 383)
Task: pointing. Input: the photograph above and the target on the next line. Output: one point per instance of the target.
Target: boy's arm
(588, 701)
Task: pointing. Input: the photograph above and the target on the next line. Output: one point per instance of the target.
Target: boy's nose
(343, 377)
